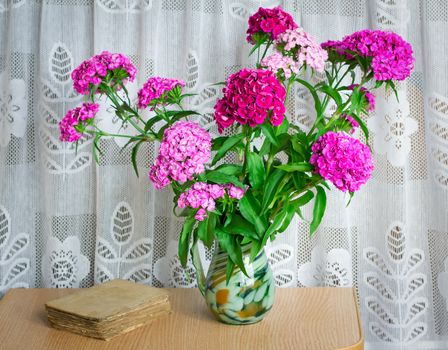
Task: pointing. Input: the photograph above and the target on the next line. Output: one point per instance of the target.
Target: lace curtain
(66, 221)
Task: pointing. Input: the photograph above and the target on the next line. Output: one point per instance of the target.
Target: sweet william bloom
(201, 195)
(342, 160)
(338, 47)
(303, 47)
(353, 123)
(277, 62)
(184, 150)
(201, 215)
(75, 117)
(270, 21)
(154, 88)
(392, 56)
(235, 191)
(92, 71)
(249, 97)
(370, 97)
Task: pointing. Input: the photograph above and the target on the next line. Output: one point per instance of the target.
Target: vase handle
(197, 263)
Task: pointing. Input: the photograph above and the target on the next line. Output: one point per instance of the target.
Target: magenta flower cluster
(202, 195)
(304, 48)
(75, 117)
(343, 160)
(92, 71)
(184, 150)
(154, 88)
(250, 96)
(392, 56)
(270, 21)
(277, 62)
(370, 97)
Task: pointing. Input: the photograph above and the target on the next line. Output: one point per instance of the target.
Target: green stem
(269, 163)
(112, 96)
(265, 50)
(312, 184)
(246, 150)
(103, 133)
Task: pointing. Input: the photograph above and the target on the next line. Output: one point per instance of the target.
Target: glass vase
(244, 299)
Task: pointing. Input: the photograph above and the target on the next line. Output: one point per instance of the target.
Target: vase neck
(245, 249)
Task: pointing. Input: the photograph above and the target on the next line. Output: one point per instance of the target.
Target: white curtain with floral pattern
(66, 221)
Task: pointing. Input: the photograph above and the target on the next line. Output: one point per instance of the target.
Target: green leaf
(229, 169)
(362, 125)
(184, 240)
(256, 46)
(217, 143)
(290, 211)
(95, 148)
(222, 178)
(206, 229)
(283, 142)
(255, 249)
(334, 94)
(241, 226)
(229, 270)
(257, 172)
(299, 166)
(282, 128)
(231, 246)
(304, 199)
(319, 209)
(132, 139)
(312, 90)
(134, 156)
(265, 148)
(274, 226)
(269, 132)
(250, 210)
(161, 131)
(150, 123)
(229, 216)
(228, 144)
(271, 188)
(180, 114)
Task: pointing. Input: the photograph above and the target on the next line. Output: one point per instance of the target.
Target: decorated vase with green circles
(244, 299)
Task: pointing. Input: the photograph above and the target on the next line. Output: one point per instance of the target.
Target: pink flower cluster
(249, 97)
(73, 118)
(392, 56)
(343, 160)
(154, 88)
(92, 71)
(202, 195)
(234, 191)
(303, 47)
(370, 97)
(354, 124)
(277, 61)
(184, 150)
(271, 21)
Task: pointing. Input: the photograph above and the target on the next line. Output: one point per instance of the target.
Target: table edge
(359, 345)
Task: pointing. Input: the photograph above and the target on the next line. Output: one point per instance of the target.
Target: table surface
(302, 318)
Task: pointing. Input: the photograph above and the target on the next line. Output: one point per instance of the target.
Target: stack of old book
(107, 310)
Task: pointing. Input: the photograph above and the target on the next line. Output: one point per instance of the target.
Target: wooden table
(302, 319)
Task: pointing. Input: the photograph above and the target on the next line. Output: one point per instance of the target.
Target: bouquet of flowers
(244, 203)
